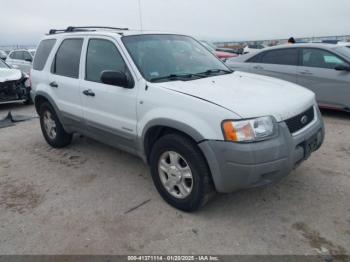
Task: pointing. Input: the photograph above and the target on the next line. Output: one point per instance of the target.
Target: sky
(24, 22)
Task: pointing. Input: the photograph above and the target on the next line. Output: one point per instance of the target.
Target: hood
(8, 74)
(248, 95)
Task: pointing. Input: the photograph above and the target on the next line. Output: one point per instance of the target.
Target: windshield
(3, 64)
(169, 57)
(344, 51)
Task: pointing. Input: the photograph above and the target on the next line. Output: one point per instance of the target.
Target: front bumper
(236, 166)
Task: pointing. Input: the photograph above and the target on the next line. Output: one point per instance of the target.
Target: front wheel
(180, 172)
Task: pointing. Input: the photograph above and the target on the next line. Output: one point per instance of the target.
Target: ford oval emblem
(304, 120)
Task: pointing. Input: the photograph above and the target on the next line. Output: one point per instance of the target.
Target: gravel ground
(82, 199)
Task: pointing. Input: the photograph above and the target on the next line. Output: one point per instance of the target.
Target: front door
(109, 110)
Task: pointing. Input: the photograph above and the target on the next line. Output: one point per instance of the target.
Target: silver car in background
(20, 59)
(322, 68)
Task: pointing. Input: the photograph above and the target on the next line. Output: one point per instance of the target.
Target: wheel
(51, 127)
(180, 172)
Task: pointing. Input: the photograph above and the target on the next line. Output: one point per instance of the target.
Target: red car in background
(221, 55)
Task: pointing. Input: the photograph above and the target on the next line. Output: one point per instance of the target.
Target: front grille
(300, 121)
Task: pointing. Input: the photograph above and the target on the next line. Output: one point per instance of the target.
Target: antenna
(140, 14)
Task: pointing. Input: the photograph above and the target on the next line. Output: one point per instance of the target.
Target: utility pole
(140, 15)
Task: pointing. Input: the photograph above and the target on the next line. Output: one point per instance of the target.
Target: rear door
(109, 110)
(317, 72)
(280, 63)
(64, 80)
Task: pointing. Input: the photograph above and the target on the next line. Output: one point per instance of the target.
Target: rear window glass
(67, 59)
(43, 53)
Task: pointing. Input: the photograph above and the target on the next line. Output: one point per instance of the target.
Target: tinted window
(281, 57)
(43, 53)
(102, 55)
(17, 55)
(320, 59)
(255, 59)
(67, 59)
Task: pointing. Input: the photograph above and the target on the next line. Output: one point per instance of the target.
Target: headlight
(250, 130)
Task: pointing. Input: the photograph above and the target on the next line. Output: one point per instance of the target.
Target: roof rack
(71, 29)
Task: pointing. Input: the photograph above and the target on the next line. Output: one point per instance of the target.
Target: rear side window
(67, 59)
(43, 53)
(255, 59)
(102, 55)
(18, 55)
(281, 57)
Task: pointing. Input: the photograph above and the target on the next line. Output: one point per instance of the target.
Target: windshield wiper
(174, 77)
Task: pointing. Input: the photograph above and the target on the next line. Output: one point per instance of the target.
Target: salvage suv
(201, 127)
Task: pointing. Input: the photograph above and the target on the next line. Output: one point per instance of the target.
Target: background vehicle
(251, 48)
(220, 54)
(14, 85)
(3, 55)
(346, 44)
(323, 68)
(21, 59)
(167, 99)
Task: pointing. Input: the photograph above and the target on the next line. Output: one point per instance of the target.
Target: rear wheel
(51, 127)
(180, 172)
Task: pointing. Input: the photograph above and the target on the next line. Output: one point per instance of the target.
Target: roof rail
(71, 29)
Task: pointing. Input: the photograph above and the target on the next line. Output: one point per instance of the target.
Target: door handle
(54, 84)
(88, 92)
(305, 72)
(258, 67)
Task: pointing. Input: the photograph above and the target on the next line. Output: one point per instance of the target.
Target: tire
(61, 137)
(201, 187)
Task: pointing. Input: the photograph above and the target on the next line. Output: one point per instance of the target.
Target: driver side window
(102, 55)
(320, 59)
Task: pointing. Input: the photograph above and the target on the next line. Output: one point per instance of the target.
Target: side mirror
(342, 68)
(115, 78)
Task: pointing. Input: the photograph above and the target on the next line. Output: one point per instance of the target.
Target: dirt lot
(82, 199)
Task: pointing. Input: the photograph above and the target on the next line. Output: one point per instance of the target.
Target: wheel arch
(41, 97)
(160, 127)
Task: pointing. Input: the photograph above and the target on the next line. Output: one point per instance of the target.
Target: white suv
(201, 127)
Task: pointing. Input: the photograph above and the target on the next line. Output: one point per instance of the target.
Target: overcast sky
(24, 22)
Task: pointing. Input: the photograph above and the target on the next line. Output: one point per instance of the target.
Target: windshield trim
(165, 34)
